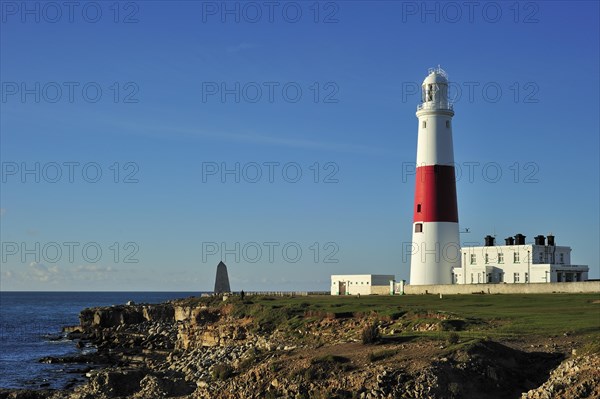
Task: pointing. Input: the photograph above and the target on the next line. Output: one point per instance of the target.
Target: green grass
(494, 316)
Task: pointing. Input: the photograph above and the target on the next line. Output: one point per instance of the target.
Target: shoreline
(289, 347)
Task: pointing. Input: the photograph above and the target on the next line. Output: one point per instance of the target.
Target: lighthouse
(435, 244)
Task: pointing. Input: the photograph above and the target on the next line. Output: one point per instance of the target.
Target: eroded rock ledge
(207, 348)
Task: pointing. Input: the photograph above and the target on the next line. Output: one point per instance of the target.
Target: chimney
(519, 239)
(540, 240)
(550, 240)
(489, 241)
(509, 241)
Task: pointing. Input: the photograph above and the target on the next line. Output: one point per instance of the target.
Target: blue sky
(161, 97)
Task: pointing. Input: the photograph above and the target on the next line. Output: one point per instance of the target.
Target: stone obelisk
(222, 280)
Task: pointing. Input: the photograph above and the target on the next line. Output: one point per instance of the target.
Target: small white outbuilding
(363, 284)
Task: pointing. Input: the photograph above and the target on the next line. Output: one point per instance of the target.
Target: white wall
(363, 284)
(539, 288)
(435, 251)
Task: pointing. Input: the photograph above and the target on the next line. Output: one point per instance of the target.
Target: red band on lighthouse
(435, 194)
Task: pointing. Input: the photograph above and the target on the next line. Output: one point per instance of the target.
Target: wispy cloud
(43, 273)
(94, 269)
(254, 138)
(154, 130)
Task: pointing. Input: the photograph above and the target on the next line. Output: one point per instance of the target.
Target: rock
(116, 382)
(154, 386)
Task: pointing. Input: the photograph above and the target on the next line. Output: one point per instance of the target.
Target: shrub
(453, 325)
(453, 338)
(311, 374)
(247, 362)
(454, 389)
(330, 359)
(275, 367)
(222, 371)
(380, 355)
(370, 334)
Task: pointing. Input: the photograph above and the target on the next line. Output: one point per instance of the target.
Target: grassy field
(494, 316)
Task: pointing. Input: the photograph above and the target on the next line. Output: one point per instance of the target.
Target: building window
(419, 228)
(473, 259)
(516, 258)
(489, 276)
(424, 124)
(526, 277)
(562, 258)
(447, 124)
(487, 259)
(516, 277)
(471, 278)
(500, 257)
(419, 208)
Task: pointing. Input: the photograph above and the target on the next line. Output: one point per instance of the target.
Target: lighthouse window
(419, 228)
(473, 259)
(418, 207)
(448, 124)
(424, 124)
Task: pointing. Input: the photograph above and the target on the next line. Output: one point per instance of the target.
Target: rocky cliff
(208, 348)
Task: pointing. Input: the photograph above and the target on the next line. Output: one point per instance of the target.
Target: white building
(517, 262)
(363, 284)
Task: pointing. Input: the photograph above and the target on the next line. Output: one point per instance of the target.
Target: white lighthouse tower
(435, 244)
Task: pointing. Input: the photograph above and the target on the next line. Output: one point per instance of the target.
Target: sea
(31, 325)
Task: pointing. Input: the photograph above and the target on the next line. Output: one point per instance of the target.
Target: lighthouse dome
(436, 75)
(434, 91)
